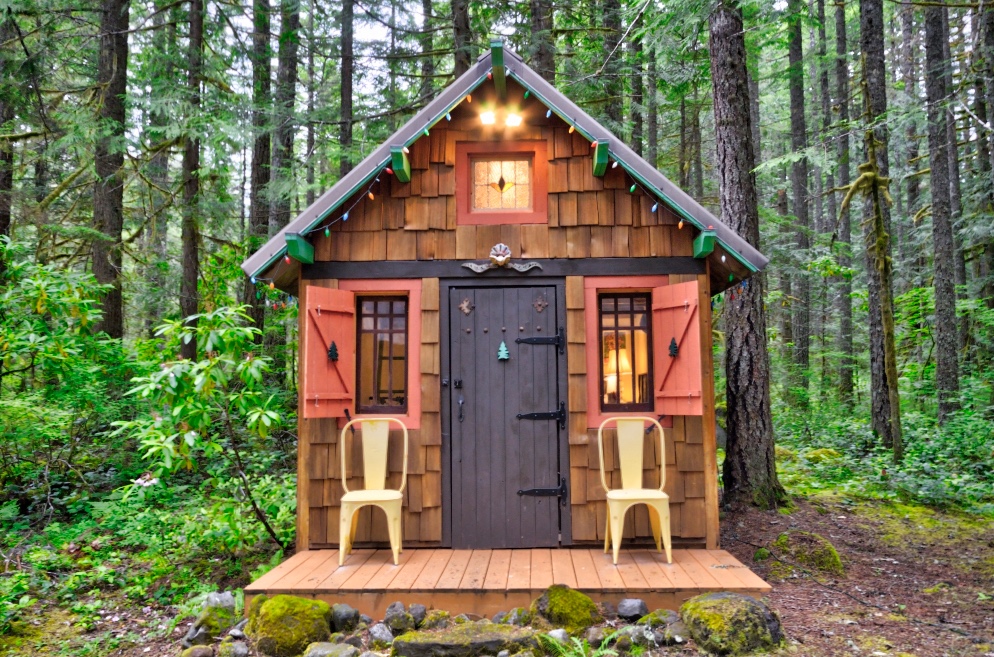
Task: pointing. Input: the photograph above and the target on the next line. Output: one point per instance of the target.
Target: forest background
(147, 146)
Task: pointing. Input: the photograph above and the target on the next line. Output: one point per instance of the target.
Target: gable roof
(730, 242)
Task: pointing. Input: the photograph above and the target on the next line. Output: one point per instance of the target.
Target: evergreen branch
(21, 136)
(62, 187)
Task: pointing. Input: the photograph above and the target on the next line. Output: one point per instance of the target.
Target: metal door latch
(561, 491)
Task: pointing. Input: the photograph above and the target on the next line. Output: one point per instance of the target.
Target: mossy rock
(464, 640)
(518, 616)
(822, 455)
(658, 618)
(284, 625)
(563, 607)
(253, 612)
(731, 624)
(436, 619)
(784, 455)
(214, 621)
(807, 549)
(762, 554)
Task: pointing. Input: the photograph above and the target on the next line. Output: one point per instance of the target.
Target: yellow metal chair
(631, 435)
(375, 444)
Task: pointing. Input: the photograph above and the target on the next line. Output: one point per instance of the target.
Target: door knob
(461, 402)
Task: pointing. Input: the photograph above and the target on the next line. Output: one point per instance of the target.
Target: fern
(577, 647)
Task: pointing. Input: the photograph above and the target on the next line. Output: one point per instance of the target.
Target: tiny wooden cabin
(502, 275)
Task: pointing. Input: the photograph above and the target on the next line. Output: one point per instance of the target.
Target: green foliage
(577, 647)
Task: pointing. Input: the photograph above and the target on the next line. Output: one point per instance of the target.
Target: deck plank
(338, 575)
(630, 572)
(702, 578)
(476, 570)
(388, 572)
(519, 572)
(454, 570)
(751, 579)
(278, 572)
(497, 571)
(681, 580)
(728, 575)
(607, 572)
(411, 570)
(360, 578)
(654, 574)
(583, 568)
(541, 575)
(432, 571)
(562, 568)
(316, 564)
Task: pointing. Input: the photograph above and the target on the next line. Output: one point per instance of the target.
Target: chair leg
(607, 532)
(345, 529)
(662, 511)
(616, 518)
(654, 522)
(393, 512)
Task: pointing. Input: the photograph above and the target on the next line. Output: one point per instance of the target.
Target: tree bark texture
(881, 387)
(261, 149)
(799, 189)
(749, 471)
(285, 115)
(909, 74)
(189, 297)
(944, 329)
(635, 108)
(847, 364)
(543, 51)
(347, 71)
(7, 114)
(611, 16)
(427, 45)
(461, 36)
(652, 108)
(108, 190)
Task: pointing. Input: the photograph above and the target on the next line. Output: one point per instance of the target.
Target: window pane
(626, 373)
(502, 184)
(382, 367)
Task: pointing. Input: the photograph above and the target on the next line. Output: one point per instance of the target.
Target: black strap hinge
(559, 415)
(558, 340)
(561, 491)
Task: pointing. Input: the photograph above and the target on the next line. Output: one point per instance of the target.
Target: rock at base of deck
(465, 640)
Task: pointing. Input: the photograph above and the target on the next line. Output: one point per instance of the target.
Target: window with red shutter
(329, 350)
(677, 349)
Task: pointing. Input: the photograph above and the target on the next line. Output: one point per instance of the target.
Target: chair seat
(637, 494)
(372, 496)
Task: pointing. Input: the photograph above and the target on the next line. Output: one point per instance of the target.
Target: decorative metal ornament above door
(500, 257)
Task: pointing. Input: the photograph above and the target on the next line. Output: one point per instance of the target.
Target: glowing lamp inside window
(487, 118)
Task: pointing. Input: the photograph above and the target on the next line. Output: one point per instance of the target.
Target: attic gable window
(501, 182)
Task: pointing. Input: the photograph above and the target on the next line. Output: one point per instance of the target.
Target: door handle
(461, 402)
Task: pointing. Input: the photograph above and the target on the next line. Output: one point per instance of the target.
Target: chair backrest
(375, 445)
(631, 446)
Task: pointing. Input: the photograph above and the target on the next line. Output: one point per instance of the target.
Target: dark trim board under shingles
(550, 267)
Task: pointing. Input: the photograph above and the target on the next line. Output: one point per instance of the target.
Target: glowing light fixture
(487, 118)
(512, 120)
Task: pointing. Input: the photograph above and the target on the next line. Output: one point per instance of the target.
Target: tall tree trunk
(611, 16)
(543, 53)
(636, 111)
(189, 297)
(164, 41)
(108, 190)
(786, 286)
(347, 70)
(652, 109)
(910, 76)
(286, 93)
(697, 161)
(757, 140)
(261, 150)
(844, 345)
(883, 388)
(799, 189)
(427, 59)
(749, 471)
(947, 369)
(7, 114)
(683, 165)
(461, 36)
(311, 96)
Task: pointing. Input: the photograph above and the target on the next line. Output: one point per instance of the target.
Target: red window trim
(410, 287)
(592, 286)
(468, 150)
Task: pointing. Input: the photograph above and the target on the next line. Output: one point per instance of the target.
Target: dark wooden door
(494, 453)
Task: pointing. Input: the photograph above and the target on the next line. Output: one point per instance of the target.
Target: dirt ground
(917, 582)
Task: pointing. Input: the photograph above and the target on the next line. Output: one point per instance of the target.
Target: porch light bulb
(723, 257)
(488, 118)
(680, 225)
(253, 280)
(286, 259)
(272, 286)
(407, 151)
(371, 197)
(655, 206)
(527, 93)
(469, 98)
(631, 189)
(448, 116)
(571, 129)
(513, 120)
(548, 114)
(345, 217)
(327, 232)
(614, 165)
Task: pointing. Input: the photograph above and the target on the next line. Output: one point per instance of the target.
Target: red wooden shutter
(676, 318)
(329, 385)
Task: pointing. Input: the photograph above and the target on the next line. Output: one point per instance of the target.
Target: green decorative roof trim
(704, 243)
(298, 248)
(400, 164)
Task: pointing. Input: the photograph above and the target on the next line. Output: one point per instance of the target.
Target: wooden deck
(487, 581)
